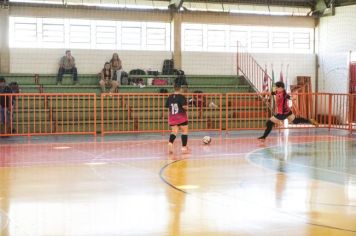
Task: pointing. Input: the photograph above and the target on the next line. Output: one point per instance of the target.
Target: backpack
(153, 72)
(136, 80)
(14, 87)
(180, 79)
(163, 90)
(168, 67)
(5, 102)
(124, 78)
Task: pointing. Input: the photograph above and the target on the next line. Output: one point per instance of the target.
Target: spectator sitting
(106, 79)
(116, 67)
(67, 66)
(5, 106)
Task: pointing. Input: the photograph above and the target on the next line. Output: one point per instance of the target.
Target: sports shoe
(185, 149)
(170, 148)
(314, 122)
(213, 105)
(261, 138)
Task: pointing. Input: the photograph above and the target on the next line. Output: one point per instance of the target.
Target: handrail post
(102, 113)
(330, 109)
(351, 112)
(237, 58)
(226, 112)
(220, 112)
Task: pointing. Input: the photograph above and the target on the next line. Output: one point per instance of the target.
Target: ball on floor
(207, 139)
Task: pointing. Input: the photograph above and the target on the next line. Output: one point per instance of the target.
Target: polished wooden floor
(295, 183)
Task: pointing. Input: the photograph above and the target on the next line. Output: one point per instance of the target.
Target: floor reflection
(288, 185)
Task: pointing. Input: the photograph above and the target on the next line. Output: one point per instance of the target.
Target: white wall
(45, 61)
(91, 61)
(208, 63)
(299, 65)
(88, 61)
(336, 37)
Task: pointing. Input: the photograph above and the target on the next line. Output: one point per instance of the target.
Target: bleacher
(129, 113)
(90, 84)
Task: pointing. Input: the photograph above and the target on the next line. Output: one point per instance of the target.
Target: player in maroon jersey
(283, 111)
(177, 118)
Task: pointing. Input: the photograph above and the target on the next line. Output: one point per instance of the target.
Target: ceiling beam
(176, 4)
(285, 3)
(345, 2)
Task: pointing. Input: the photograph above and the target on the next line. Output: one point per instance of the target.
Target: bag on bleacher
(14, 87)
(157, 81)
(124, 78)
(153, 72)
(180, 79)
(168, 67)
(163, 90)
(5, 101)
(136, 80)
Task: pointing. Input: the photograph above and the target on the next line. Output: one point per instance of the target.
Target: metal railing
(250, 111)
(253, 72)
(51, 114)
(353, 112)
(44, 114)
(139, 112)
(247, 110)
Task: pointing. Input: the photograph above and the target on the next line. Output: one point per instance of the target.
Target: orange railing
(250, 111)
(253, 72)
(139, 112)
(47, 114)
(353, 112)
(330, 110)
(247, 110)
(43, 114)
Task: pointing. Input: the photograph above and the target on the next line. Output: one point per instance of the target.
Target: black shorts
(283, 116)
(181, 124)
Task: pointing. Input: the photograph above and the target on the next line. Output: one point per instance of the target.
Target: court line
(301, 218)
(166, 181)
(296, 164)
(154, 140)
(63, 162)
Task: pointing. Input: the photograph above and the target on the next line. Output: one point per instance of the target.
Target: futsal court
(87, 117)
(295, 183)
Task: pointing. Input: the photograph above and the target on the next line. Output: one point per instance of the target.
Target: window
(88, 34)
(216, 39)
(79, 32)
(105, 34)
(301, 40)
(53, 33)
(193, 38)
(238, 36)
(25, 31)
(280, 40)
(156, 35)
(259, 39)
(131, 35)
(224, 38)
